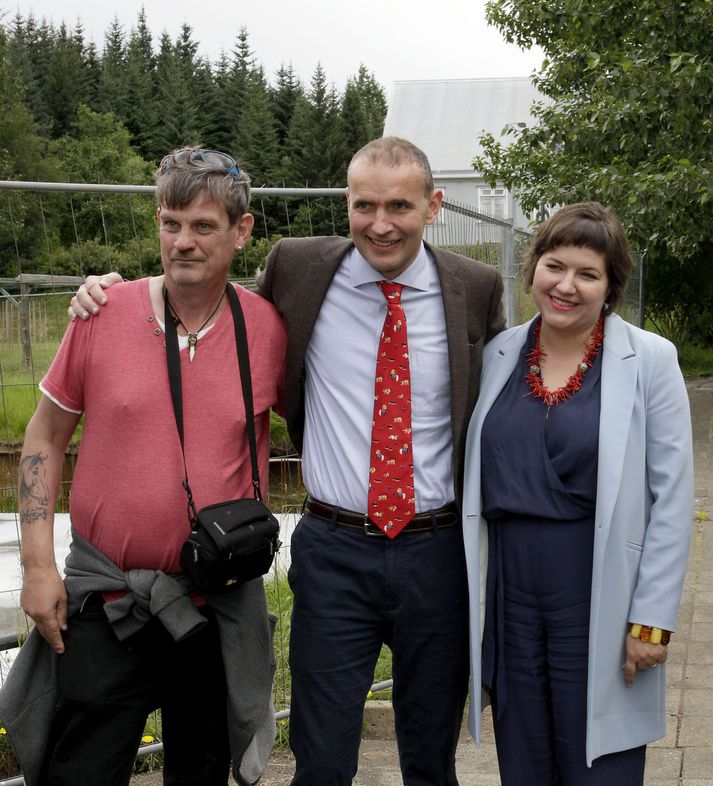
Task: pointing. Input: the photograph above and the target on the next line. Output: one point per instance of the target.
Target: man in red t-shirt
(127, 498)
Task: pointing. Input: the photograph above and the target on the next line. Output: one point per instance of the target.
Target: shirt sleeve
(64, 381)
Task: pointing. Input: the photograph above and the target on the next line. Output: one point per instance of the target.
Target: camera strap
(173, 362)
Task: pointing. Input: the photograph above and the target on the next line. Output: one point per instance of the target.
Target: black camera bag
(230, 542)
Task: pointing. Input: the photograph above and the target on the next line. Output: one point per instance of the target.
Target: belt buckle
(370, 533)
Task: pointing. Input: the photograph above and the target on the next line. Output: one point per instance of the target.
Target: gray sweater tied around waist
(28, 697)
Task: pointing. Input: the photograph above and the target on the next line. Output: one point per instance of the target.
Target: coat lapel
(618, 392)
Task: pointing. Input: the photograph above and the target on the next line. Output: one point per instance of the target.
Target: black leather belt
(447, 516)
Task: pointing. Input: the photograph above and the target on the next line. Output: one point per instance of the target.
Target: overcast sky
(396, 39)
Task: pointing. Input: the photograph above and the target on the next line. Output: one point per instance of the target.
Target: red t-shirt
(127, 498)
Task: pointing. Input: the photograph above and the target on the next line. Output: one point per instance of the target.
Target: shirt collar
(416, 274)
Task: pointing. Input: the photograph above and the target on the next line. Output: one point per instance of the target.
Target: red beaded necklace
(574, 383)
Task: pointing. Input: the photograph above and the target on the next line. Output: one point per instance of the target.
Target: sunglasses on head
(213, 159)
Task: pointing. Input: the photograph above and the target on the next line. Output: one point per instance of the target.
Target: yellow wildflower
(148, 738)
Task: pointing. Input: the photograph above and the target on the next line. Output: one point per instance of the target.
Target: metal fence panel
(33, 319)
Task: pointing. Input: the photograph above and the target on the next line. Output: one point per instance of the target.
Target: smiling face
(388, 210)
(198, 242)
(569, 288)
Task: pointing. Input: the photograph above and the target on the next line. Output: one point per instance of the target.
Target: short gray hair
(187, 172)
(394, 152)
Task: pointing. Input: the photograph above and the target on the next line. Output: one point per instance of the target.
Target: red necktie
(391, 496)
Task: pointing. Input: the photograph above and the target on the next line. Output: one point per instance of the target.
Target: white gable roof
(445, 117)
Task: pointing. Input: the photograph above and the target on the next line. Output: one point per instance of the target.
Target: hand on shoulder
(90, 295)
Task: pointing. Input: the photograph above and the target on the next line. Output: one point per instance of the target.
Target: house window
(493, 202)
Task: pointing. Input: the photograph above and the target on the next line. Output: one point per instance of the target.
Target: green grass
(279, 602)
(696, 361)
(17, 403)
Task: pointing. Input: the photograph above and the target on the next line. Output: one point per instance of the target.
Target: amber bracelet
(652, 635)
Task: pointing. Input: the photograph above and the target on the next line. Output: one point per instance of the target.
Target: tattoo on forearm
(34, 492)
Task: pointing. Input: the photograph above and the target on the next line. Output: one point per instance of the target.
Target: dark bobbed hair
(394, 152)
(178, 183)
(586, 225)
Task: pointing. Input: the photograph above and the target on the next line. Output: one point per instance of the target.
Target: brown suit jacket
(297, 276)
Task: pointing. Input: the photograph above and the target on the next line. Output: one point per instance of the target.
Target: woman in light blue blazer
(577, 513)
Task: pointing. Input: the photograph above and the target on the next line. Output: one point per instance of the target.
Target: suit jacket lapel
(314, 285)
(457, 333)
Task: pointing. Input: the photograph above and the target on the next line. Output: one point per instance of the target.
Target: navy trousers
(107, 688)
(351, 594)
(545, 587)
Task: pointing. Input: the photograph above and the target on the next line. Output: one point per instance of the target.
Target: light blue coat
(643, 522)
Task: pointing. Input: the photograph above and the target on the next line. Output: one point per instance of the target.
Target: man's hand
(44, 598)
(90, 295)
(641, 656)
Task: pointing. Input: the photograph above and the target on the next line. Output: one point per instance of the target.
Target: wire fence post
(508, 273)
(25, 326)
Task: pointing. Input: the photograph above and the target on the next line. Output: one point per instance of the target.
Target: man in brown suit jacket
(354, 586)
(355, 589)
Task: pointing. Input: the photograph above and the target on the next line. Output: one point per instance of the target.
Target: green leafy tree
(99, 151)
(621, 121)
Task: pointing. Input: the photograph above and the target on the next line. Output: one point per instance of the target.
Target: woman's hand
(642, 656)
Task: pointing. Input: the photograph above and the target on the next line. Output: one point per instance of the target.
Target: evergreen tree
(373, 101)
(208, 102)
(142, 112)
(89, 73)
(315, 154)
(284, 97)
(21, 158)
(67, 81)
(221, 131)
(113, 93)
(94, 74)
(315, 148)
(179, 122)
(30, 51)
(355, 127)
(256, 144)
(234, 88)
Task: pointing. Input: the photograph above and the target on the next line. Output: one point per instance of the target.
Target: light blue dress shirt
(339, 390)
